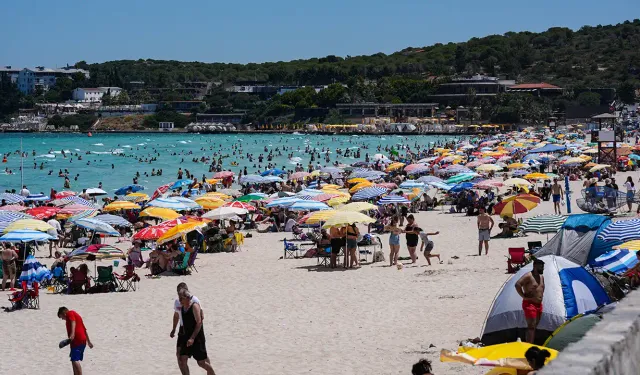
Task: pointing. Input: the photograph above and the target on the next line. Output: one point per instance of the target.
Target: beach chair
(533, 245)
(192, 261)
(323, 256)
(297, 233)
(26, 298)
(290, 250)
(127, 281)
(516, 259)
(58, 281)
(106, 281)
(183, 266)
(78, 282)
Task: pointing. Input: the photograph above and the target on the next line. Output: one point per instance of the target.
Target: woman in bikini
(412, 237)
(352, 244)
(394, 240)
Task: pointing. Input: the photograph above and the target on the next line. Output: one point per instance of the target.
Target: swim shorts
(77, 353)
(556, 198)
(484, 235)
(531, 310)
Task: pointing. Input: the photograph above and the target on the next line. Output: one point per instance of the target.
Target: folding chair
(323, 256)
(182, 267)
(127, 281)
(192, 261)
(59, 280)
(106, 280)
(532, 245)
(290, 250)
(516, 259)
(297, 233)
(25, 298)
(78, 282)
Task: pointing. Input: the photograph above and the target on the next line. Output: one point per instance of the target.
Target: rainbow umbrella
(100, 252)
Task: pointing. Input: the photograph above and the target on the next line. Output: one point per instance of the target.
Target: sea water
(113, 159)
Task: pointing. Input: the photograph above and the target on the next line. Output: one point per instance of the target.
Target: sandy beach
(273, 316)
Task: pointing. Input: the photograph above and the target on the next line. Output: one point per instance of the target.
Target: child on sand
(427, 245)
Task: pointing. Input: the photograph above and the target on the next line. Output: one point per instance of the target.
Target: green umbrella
(460, 178)
(249, 198)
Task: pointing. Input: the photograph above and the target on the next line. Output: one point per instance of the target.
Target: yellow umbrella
(488, 168)
(574, 161)
(136, 197)
(590, 151)
(357, 180)
(517, 182)
(159, 212)
(338, 200)
(394, 166)
(209, 203)
(315, 173)
(516, 165)
(180, 230)
(120, 205)
(599, 167)
(629, 245)
(344, 218)
(217, 195)
(359, 186)
(331, 187)
(213, 181)
(320, 216)
(28, 224)
(585, 157)
(509, 355)
(358, 207)
(536, 176)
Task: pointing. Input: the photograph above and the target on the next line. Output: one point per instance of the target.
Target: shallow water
(123, 151)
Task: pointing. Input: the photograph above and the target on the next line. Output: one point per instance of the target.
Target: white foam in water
(97, 144)
(50, 156)
(183, 142)
(117, 151)
(126, 146)
(77, 149)
(101, 152)
(148, 140)
(383, 139)
(141, 144)
(296, 158)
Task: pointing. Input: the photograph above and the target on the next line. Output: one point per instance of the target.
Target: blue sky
(54, 33)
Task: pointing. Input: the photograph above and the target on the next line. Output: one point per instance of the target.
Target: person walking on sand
(427, 245)
(177, 318)
(531, 288)
(394, 240)
(556, 194)
(77, 335)
(194, 342)
(485, 225)
(411, 235)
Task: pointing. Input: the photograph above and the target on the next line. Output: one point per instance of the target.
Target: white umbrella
(96, 191)
(170, 203)
(96, 226)
(222, 213)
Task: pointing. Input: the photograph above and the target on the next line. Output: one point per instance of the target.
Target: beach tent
(548, 148)
(569, 290)
(578, 239)
(572, 331)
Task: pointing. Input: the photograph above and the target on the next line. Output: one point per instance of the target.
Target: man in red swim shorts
(531, 288)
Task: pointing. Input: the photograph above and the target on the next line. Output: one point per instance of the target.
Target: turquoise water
(172, 151)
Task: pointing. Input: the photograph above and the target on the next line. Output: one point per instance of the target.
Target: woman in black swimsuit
(193, 332)
(412, 237)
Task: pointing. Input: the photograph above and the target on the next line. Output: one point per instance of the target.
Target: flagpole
(21, 166)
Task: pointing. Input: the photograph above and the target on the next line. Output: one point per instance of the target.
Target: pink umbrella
(474, 164)
(64, 194)
(73, 209)
(13, 207)
(161, 190)
(223, 174)
(299, 175)
(387, 185)
(243, 205)
(324, 197)
(411, 167)
(488, 184)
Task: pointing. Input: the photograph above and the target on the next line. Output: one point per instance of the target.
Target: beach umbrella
(37, 197)
(332, 170)
(536, 176)
(356, 180)
(380, 157)
(26, 235)
(462, 186)
(461, 177)
(180, 230)
(228, 192)
(223, 174)
(33, 271)
(10, 198)
(43, 212)
(368, 193)
(394, 166)
(574, 161)
(388, 185)
(136, 197)
(95, 192)
(411, 167)
(338, 200)
(242, 205)
(324, 197)
(64, 194)
(299, 175)
(599, 167)
(623, 230)
(83, 214)
(189, 203)
(393, 199)
(180, 184)
(209, 203)
(317, 217)
(73, 209)
(509, 355)
(409, 184)
(360, 186)
(272, 172)
(517, 166)
(543, 224)
(120, 205)
(224, 213)
(78, 200)
(527, 197)
(171, 203)
(516, 182)
(113, 220)
(283, 202)
(616, 261)
(271, 179)
(488, 184)
(250, 198)
(97, 252)
(513, 207)
(629, 245)
(216, 195)
(429, 179)
(344, 218)
(151, 233)
(368, 174)
(519, 173)
(129, 189)
(308, 206)
(251, 179)
(159, 212)
(160, 191)
(572, 331)
(310, 192)
(13, 207)
(96, 226)
(358, 207)
(28, 224)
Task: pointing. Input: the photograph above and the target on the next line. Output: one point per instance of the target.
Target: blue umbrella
(623, 230)
(411, 184)
(251, 179)
(520, 172)
(462, 186)
(180, 183)
(96, 226)
(273, 172)
(634, 157)
(616, 261)
(11, 198)
(32, 271)
(129, 189)
(114, 220)
(37, 197)
(284, 202)
(170, 203)
(308, 206)
(78, 200)
(393, 199)
(441, 186)
(192, 205)
(368, 193)
(26, 236)
(310, 192)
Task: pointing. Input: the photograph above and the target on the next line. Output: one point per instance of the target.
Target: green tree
(122, 98)
(589, 99)
(627, 92)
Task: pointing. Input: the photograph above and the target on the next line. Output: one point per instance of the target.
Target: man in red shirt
(78, 337)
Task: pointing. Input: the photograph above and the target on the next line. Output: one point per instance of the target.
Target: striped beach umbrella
(99, 251)
(623, 230)
(514, 207)
(223, 174)
(393, 199)
(461, 178)
(84, 214)
(64, 194)
(13, 207)
(37, 197)
(629, 245)
(120, 205)
(33, 271)
(368, 193)
(11, 198)
(171, 203)
(26, 235)
(191, 204)
(30, 224)
(616, 261)
(151, 233)
(113, 220)
(430, 179)
(308, 206)
(237, 204)
(543, 224)
(411, 184)
(78, 200)
(96, 226)
(324, 197)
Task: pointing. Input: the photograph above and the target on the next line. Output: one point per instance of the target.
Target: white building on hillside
(31, 79)
(94, 94)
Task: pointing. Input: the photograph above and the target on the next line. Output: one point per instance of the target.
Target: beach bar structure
(388, 109)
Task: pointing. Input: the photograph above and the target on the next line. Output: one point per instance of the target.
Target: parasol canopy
(160, 213)
(33, 271)
(100, 251)
(43, 212)
(96, 226)
(224, 213)
(543, 224)
(120, 205)
(358, 207)
(28, 224)
(180, 230)
(344, 218)
(26, 235)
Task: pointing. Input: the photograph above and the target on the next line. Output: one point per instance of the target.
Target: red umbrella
(64, 194)
(237, 204)
(151, 233)
(43, 212)
(182, 220)
(223, 174)
(159, 191)
(324, 197)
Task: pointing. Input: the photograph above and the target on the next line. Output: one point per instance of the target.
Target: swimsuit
(394, 239)
(9, 267)
(531, 309)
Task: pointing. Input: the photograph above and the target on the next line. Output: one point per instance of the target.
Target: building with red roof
(537, 89)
